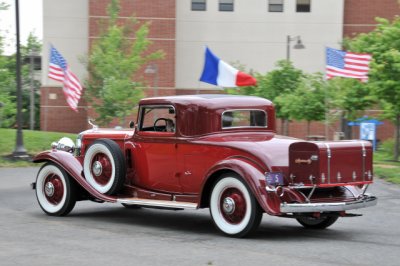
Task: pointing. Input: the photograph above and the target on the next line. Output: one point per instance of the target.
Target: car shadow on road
(200, 222)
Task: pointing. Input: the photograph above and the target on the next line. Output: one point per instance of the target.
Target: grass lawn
(34, 142)
(385, 167)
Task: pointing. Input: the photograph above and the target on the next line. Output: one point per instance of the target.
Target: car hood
(116, 134)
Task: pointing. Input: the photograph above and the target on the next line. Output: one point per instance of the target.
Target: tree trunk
(397, 136)
(345, 128)
(286, 127)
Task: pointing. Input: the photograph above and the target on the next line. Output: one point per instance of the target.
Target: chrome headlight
(78, 145)
(79, 141)
(64, 144)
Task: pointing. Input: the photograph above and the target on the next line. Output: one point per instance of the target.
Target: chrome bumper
(365, 201)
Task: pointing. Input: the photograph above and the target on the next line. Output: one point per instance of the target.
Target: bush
(7, 110)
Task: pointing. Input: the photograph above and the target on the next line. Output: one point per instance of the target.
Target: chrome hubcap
(97, 168)
(49, 189)
(228, 205)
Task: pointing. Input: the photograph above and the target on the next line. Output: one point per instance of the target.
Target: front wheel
(104, 166)
(233, 208)
(55, 191)
(317, 223)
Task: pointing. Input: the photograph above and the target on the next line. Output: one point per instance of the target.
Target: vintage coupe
(208, 151)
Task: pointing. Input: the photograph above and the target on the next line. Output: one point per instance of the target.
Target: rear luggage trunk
(328, 164)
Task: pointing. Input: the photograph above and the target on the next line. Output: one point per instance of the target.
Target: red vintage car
(209, 151)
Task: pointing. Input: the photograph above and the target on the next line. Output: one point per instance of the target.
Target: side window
(244, 118)
(157, 119)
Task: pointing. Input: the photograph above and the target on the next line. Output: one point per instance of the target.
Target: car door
(155, 149)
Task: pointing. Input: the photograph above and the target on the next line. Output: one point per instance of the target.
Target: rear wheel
(55, 190)
(104, 166)
(317, 223)
(233, 208)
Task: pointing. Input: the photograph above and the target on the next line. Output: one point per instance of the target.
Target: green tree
(384, 45)
(306, 102)
(7, 83)
(113, 65)
(32, 48)
(278, 82)
(352, 97)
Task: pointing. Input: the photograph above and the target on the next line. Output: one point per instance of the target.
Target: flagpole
(326, 111)
(326, 101)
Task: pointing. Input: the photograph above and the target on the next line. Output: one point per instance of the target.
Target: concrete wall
(255, 37)
(65, 26)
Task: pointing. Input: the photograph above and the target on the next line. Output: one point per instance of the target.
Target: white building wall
(65, 26)
(253, 36)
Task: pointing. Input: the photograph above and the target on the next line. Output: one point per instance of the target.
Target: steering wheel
(166, 120)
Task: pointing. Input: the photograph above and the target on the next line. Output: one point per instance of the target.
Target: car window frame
(142, 109)
(244, 127)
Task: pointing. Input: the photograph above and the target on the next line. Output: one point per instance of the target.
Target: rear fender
(254, 178)
(74, 168)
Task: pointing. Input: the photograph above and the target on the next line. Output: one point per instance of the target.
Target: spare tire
(104, 166)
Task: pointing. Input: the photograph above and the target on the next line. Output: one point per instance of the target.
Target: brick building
(253, 32)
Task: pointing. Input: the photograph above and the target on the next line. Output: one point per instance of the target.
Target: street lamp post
(20, 150)
(298, 45)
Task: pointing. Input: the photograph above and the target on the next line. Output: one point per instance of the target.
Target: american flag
(345, 64)
(59, 71)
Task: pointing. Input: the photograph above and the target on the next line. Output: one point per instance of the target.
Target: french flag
(219, 73)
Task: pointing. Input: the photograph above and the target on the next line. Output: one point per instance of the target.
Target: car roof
(210, 100)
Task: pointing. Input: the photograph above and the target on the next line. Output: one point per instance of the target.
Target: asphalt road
(109, 234)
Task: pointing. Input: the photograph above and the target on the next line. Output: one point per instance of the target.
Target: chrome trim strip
(364, 154)
(365, 201)
(328, 151)
(158, 203)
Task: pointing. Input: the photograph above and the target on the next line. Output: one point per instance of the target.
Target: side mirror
(131, 124)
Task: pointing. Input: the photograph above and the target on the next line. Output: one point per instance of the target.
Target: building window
(303, 6)
(225, 5)
(198, 5)
(275, 5)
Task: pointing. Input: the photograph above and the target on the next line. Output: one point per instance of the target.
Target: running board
(158, 203)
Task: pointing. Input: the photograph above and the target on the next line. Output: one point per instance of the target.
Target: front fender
(74, 168)
(254, 178)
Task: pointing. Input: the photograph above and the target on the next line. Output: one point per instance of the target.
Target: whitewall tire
(233, 208)
(55, 191)
(104, 166)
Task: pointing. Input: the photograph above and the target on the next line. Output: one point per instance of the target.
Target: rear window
(244, 118)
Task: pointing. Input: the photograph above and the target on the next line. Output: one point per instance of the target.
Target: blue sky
(31, 20)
